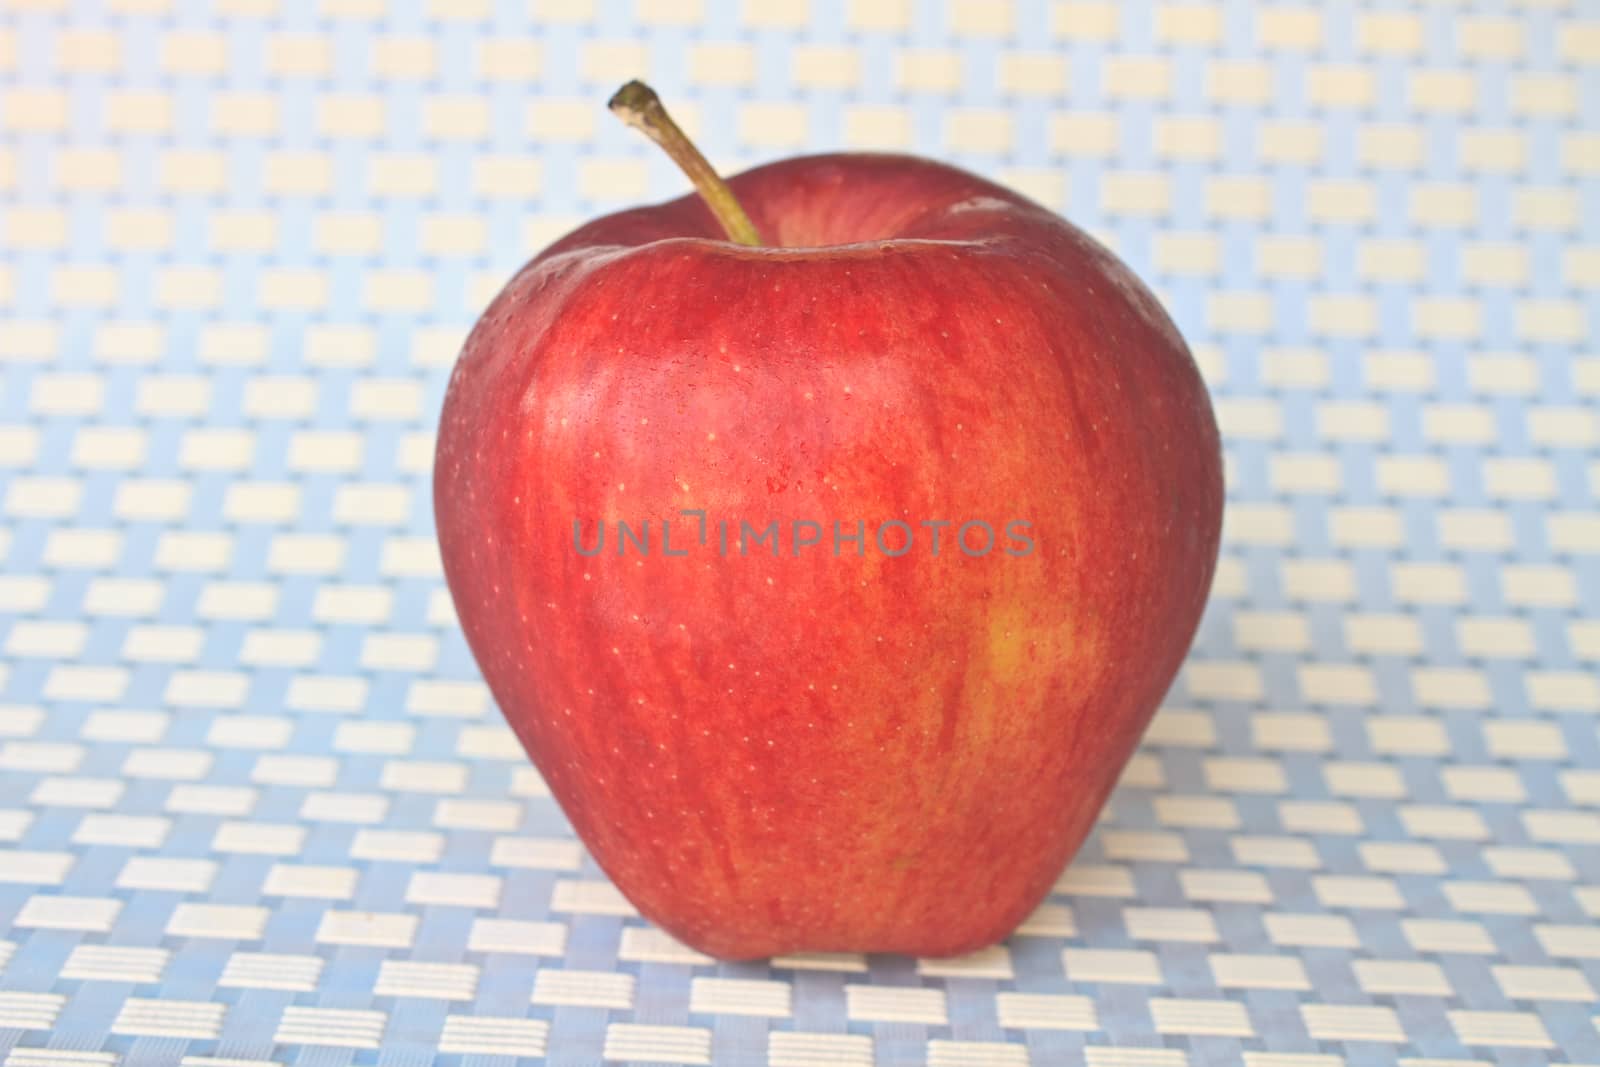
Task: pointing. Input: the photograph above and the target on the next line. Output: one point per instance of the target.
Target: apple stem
(638, 105)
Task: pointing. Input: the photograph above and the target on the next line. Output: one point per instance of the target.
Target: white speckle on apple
(712, 436)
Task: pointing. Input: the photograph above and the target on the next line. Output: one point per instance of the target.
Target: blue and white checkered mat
(255, 804)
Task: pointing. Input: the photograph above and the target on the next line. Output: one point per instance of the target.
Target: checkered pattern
(255, 804)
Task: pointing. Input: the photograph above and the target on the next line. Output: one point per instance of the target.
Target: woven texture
(255, 803)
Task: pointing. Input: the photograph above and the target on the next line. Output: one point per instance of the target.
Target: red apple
(826, 749)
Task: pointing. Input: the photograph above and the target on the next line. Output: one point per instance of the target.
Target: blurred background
(254, 801)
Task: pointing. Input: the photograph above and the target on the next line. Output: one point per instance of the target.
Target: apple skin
(819, 753)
